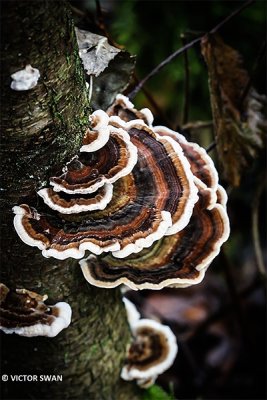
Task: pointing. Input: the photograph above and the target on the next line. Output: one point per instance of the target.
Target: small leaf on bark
(110, 67)
(238, 122)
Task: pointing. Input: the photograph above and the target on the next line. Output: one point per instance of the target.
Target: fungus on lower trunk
(152, 351)
(24, 312)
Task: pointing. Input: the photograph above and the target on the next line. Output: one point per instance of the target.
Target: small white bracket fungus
(153, 351)
(25, 79)
(24, 313)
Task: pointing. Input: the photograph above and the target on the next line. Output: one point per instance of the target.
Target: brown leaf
(239, 123)
(110, 67)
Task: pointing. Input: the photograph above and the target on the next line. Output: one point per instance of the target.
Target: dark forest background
(220, 323)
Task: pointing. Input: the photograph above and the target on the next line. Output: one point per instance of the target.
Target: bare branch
(259, 57)
(186, 47)
(186, 84)
(197, 125)
(211, 147)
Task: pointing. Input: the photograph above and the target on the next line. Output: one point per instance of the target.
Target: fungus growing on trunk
(155, 199)
(152, 351)
(180, 259)
(73, 204)
(25, 79)
(99, 165)
(24, 312)
(167, 216)
(132, 314)
(124, 108)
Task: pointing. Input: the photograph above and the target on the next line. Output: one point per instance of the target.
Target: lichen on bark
(41, 129)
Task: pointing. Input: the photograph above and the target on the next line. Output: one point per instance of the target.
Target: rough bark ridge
(41, 129)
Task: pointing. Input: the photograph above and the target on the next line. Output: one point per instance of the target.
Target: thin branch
(161, 65)
(186, 47)
(232, 15)
(211, 147)
(101, 24)
(259, 57)
(255, 229)
(153, 103)
(197, 125)
(186, 84)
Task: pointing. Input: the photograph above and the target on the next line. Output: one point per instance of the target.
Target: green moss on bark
(42, 129)
(48, 122)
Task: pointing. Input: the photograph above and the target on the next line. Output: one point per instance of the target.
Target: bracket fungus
(152, 351)
(25, 79)
(24, 312)
(143, 193)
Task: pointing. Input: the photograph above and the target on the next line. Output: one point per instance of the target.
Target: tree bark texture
(41, 129)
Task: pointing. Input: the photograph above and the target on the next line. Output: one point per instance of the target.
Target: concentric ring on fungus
(167, 216)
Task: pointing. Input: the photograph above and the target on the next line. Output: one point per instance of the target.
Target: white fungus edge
(60, 322)
(135, 373)
(132, 314)
(77, 208)
(132, 160)
(103, 132)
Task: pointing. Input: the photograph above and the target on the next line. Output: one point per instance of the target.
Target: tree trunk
(41, 129)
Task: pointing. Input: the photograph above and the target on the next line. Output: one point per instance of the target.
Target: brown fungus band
(24, 313)
(165, 214)
(92, 169)
(180, 259)
(152, 351)
(159, 194)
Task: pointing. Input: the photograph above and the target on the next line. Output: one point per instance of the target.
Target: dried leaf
(95, 51)
(239, 123)
(112, 80)
(110, 67)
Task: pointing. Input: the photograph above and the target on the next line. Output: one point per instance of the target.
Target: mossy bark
(41, 129)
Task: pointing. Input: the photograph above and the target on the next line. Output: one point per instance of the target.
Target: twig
(211, 146)
(101, 24)
(153, 103)
(161, 65)
(186, 84)
(232, 15)
(197, 125)
(255, 229)
(260, 54)
(186, 47)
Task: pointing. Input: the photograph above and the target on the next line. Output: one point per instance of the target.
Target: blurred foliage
(239, 123)
(152, 30)
(155, 392)
(220, 324)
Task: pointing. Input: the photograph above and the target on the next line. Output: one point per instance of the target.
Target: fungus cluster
(24, 312)
(141, 199)
(25, 79)
(152, 351)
